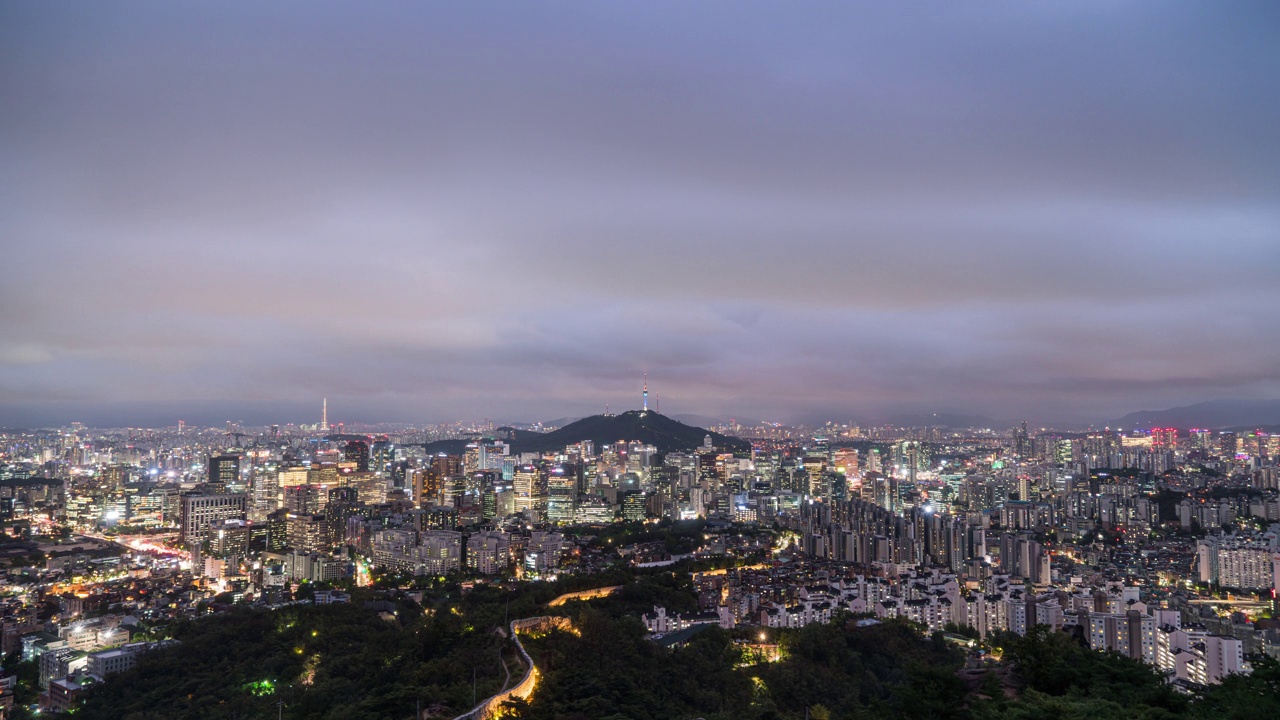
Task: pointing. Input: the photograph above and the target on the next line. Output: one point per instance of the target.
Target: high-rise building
(1227, 444)
(1022, 557)
(357, 451)
(1223, 656)
(306, 499)
(115, 476)
(265, 492)
(382, 454)
(198, 511)
(1235, 562)
(426, 487)
(562, 496)
(530, 490)
(633, 506)
(488, 552)
(1201, 439)
(1131, 633)
(308, 532)
(224, 472)
(1022, 441)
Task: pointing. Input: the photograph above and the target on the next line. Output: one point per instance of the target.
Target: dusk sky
(227, 211)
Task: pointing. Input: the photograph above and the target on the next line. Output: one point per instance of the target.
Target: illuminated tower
(646, 392)
(324, 415)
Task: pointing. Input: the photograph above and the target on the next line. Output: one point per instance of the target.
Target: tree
(1245, 697)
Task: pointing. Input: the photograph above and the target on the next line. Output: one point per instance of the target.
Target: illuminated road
(152, 544)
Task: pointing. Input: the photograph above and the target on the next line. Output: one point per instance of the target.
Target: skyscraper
(200, 510)
(562, 496)
(357, 451)
(1227, 444)
(224, 470)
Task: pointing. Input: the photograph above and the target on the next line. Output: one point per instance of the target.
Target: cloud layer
(433, 212)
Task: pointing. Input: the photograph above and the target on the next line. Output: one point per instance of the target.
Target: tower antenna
(646, 392)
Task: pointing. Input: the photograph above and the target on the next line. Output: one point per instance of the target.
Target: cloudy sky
(212, 211)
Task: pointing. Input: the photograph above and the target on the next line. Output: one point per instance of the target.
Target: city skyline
(1219, 415)
(429, 213)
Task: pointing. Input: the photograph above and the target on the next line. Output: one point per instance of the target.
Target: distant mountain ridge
(1212, 414)
(560, 422)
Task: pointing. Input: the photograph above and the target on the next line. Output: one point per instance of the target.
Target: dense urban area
(652, 568)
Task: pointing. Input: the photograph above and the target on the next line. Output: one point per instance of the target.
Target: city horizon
(1242, 413)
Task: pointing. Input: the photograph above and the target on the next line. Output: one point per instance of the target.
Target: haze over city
(1062, 212)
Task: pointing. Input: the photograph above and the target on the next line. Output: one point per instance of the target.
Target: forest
(339, 662)
(389, 656)
(841, 671)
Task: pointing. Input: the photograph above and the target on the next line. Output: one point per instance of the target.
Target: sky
(427, 212)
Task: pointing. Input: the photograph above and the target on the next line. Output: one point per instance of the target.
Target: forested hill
(666, 434)
(333, 662)
(383, 660)
(662, 432)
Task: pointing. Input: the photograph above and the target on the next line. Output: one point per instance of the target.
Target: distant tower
(324, 415)
(646, 392)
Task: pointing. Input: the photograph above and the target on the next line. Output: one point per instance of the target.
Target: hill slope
(1212, 414)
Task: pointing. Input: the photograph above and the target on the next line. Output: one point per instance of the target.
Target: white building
(1236, 562)
(430, 552)
(488, 552)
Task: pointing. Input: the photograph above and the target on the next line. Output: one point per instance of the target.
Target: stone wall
(492, 707)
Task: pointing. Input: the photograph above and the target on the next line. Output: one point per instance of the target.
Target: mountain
(447, 447)
(1211, 414)
(662, 432)
(560, 422)
(458, 446)
(1269, 429)
(515, 436)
